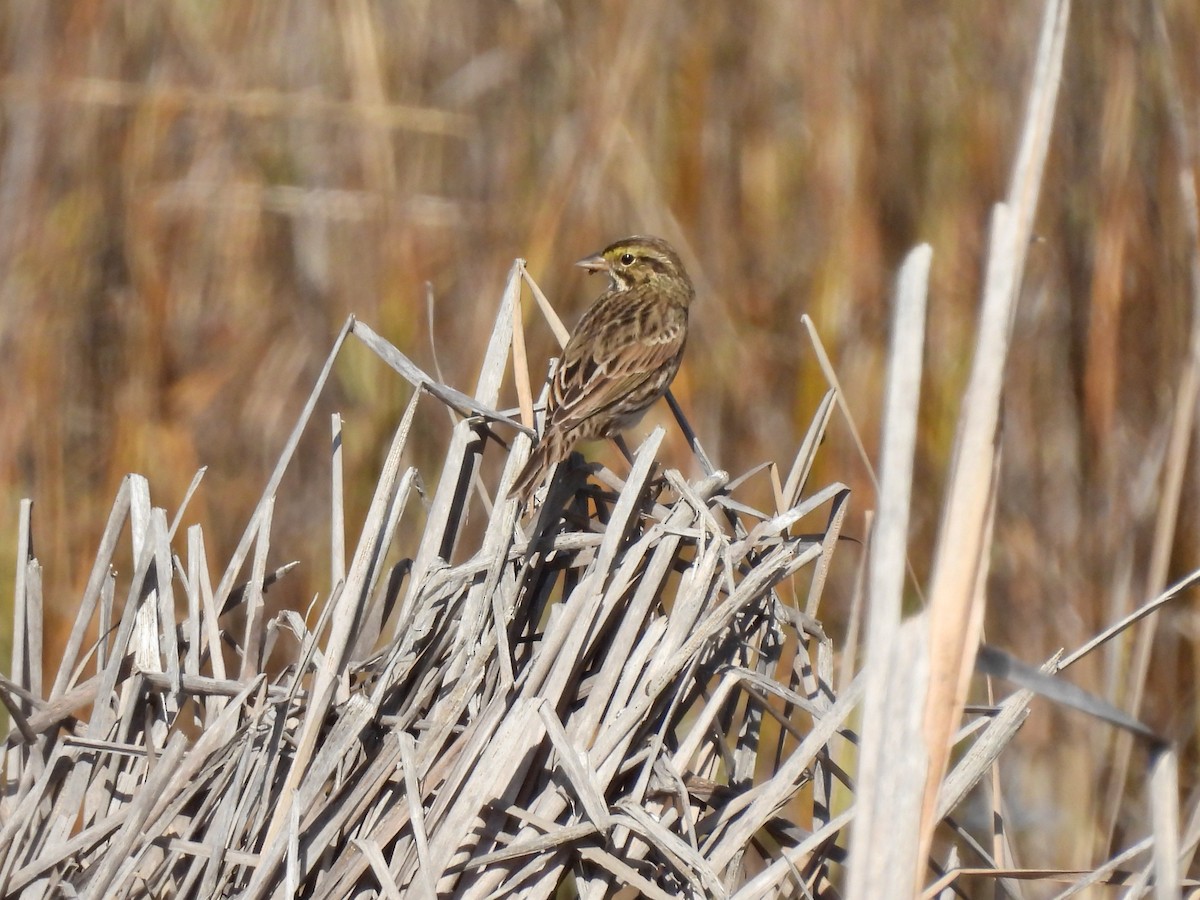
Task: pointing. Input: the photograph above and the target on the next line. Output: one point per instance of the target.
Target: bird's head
(639, 260)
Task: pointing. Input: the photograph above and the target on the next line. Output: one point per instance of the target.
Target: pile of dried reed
(623, 692)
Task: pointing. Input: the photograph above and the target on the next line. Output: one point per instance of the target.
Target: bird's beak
(595, 263)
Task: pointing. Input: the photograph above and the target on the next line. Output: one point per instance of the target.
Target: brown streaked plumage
(623, 354)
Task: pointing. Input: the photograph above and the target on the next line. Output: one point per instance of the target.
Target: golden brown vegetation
(194, 197)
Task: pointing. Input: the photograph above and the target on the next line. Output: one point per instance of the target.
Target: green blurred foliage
(194, 197)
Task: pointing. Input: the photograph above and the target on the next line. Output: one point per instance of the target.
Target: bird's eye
(626, 259)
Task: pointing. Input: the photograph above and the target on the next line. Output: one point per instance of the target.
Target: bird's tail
(553, 448)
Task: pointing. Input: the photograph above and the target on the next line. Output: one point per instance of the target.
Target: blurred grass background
(194, 196)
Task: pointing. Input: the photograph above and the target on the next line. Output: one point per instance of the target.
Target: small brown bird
(623, 355)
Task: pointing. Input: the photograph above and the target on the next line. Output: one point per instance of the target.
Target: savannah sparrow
(623, 355)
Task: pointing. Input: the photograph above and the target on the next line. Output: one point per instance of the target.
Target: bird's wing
(624, 351)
